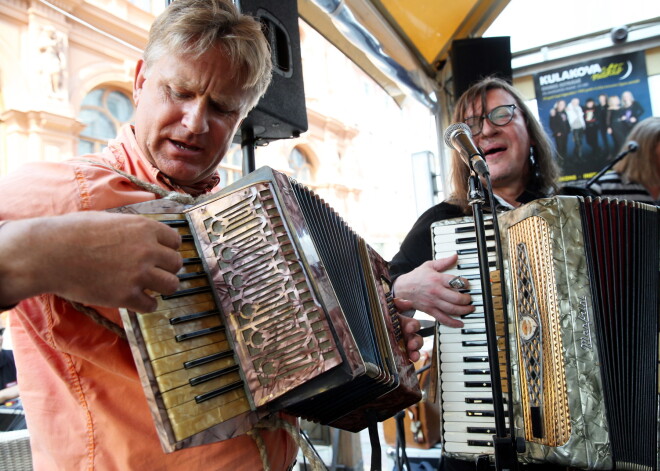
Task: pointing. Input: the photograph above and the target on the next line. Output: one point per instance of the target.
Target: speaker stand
(248, 143)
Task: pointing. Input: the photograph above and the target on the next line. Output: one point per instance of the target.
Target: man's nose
(195, 117)
(488, 128)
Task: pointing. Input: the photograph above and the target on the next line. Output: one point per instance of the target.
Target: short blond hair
(193, 27)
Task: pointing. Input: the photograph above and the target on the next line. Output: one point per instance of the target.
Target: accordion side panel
(279, 329)
(544, 398)
(573, 346)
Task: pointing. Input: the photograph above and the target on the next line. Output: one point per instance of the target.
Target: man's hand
(94, 258)
(429, 291)
(409, 327)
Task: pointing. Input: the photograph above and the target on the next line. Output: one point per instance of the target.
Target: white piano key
(451, 406)
(460, 396)
(463, 437)
(460, 356)
(461, 366)
(458, 337)
(459, 377)
(451, 386)
(462, 427)
(455, 447)
(458, 347)
(459, 416)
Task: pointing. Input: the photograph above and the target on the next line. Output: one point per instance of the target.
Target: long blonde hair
(542, 177)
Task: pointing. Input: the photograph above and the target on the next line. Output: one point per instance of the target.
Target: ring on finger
(457, 283)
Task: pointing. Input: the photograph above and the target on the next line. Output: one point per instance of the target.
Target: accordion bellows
(281, 307)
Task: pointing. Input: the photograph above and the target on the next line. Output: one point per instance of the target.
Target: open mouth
(494, 150)
(184, 146)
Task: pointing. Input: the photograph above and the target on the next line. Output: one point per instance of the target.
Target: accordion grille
(543, 385)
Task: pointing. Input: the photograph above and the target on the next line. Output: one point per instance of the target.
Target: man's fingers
(142, 302)
(443, 264)
(167, 236)
(447, 320)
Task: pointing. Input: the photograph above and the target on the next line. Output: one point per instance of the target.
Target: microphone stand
(632, 147)
(503, 442)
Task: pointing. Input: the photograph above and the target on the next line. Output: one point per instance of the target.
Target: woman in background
(637, 176)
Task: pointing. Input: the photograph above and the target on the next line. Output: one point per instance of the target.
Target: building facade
(66, 76)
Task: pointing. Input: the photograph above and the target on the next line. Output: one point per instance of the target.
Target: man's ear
(138, 82)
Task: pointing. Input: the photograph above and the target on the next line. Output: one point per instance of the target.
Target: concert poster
(588, 108)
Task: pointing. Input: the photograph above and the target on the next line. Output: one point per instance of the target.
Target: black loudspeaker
(476, 58)
(281, 113)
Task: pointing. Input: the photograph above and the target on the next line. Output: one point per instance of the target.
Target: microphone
(459, 137)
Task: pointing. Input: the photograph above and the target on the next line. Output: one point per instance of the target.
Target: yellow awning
(414, 35)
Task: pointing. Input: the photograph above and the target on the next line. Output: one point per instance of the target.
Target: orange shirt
(85, 407)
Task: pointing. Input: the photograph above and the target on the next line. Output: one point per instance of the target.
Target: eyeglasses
(498, 116)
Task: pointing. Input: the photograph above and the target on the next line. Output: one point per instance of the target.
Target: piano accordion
(281, 307)
(581, 282)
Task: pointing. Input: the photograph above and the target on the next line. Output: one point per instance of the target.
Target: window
(301, 166)
(104, 111)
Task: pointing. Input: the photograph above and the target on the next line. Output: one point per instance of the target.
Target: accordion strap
(275, 423)
(94, 315)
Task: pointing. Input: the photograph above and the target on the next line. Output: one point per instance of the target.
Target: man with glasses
(522, 168)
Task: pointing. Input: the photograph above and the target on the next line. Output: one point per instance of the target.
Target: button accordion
(581, 283)
(281, 307)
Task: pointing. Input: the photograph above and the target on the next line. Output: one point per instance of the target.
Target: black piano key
(474, 343)
(191, 275)
(478, 371)
(476, 384)
(480, 413)
(487, 430)
(480, 359)
(175, 222)
(187, 292)
(192, 260)
(212, 375)
(207, 359)
(217, 392)
(473, 251)
(472, 240)
(199, 333)
(472, 277)
(473, 331)
(193, 316)
(473, 266)
(462, 229)
(480, 443)
(478, 400)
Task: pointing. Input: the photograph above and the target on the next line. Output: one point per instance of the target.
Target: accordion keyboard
(191, 358)
(467, 399)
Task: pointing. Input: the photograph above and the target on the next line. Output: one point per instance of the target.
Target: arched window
(104, 111)
(301, 166)
(231, 167)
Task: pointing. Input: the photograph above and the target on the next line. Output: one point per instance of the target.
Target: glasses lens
(474, 123)
(501, 115)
